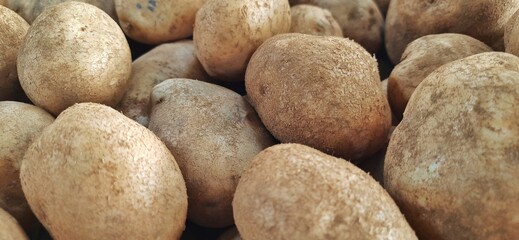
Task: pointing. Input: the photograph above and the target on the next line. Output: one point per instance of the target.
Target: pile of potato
(259, 119)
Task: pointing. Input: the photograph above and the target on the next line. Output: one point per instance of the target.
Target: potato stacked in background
(259, 119)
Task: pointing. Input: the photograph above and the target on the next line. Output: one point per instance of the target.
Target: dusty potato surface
(512, 34)
(313, 20)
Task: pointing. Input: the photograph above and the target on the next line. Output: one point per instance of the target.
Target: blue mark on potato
(152, 4)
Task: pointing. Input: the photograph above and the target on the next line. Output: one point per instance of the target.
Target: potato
(12, 32)
(408, 20)
(313, 20)
(292, 191)
(21, 123)
(511, 34)
(30, 9)
(452, 164)
(214, 133)
(96, 174)
(421, 57)
(332, 102)
(383, 5)
(360, 20)
(227, 32)
(230, 234)
(73, 53)
(9, 228)
(171, 60)
(156, 22)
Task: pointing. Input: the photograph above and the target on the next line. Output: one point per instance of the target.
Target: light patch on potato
(313, 20)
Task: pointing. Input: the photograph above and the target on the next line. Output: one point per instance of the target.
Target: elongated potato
(313, 20)
(9, 228)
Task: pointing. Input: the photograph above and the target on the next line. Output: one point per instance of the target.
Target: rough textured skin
(512, 35)
(408, 20)
(452, 163)
(171, 60)
(230, 234)
(360, 20)
(333, 103)
(30, 9)
(227, 32)
(73, 53)
(9, 228)
(313, 20)
(156, 22)
(423, 56)
(292, 191)
(214, 133)
(21, 123)
(96, 174)
(383, 5)
(12, 32)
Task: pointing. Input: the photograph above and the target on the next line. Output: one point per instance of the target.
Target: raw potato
(12, 32)
(292, 191)
(313, 20)
(423, 56)
(73, 53)
(452, 162)
(227, 32)
(360, 20)
(214, 133)
(96, 174)
(156, 22)
(9, 228)
(512, 35)
(323, 92)
(21, 123)
(171, 60)
(408, 20)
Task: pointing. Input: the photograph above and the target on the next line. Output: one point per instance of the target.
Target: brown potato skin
(360, 20)
(452, 164)
(423, 56)
(308, 19)
(73, 53)
(292, 191)
(228, 32)
(333, 103)
(9, 228)
(512, 34)
(96, 174)
(214, 133)
(12, 32)
(408, 20)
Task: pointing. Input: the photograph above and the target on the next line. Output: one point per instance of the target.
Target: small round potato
(73, 53)
(292, 191)
(313, 20)
(452, 163)
(421, 57)
(9, 228)
(228, 32)
(12, 32)
(214, 133)
(333, 102)
(512, 35)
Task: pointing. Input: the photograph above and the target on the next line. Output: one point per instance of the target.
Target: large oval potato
(21, 123)
(333, 102)
(73, 53)
(452, 163)
(12, 32)
(214, 133)
(313, 20)
(9, 228)
(292, 191)
(228, 32)
(96, 174)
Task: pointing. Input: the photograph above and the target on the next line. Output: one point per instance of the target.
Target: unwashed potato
(30, 9)
(156, 22)
(421, 57)
(313, 20)
(12, 32)
(96, 174)
(227, 32)
(9, 228)
(21, 123)
(214, 133)
(452, 164)
(170, 60)
(323, 92)
(408, 20)
(73, 53)
(360, 20)
(512, 35)
(292, 191)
